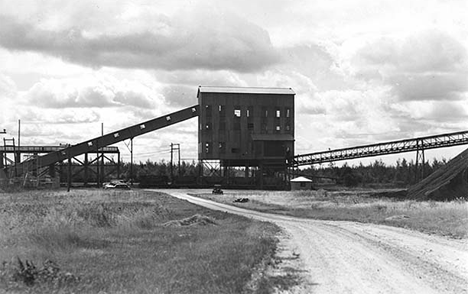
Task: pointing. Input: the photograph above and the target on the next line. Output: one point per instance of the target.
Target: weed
(21, 273)
(116, 243)
(442, 218)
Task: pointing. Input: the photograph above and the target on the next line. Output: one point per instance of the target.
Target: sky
(364, 71)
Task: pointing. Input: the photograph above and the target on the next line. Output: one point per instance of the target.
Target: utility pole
(18, 155)
(172, 157)
(175, 147)
(2, 165)
(102, 155)
(19, 134)
(131, 162)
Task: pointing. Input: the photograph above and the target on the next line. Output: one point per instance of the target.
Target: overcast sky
(364, 71)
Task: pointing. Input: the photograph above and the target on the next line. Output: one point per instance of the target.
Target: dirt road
(349, 257)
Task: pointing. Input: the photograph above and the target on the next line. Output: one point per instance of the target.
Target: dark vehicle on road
(217, 190)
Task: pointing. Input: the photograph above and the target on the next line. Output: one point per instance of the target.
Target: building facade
(247, 127)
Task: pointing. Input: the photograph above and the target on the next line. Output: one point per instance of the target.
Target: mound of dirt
(196, 219)
(447, 183)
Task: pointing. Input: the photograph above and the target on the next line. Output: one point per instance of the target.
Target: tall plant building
(251, 128)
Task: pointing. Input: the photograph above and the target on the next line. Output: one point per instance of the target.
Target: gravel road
(349, 257)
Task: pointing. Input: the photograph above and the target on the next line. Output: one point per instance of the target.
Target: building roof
(272, 137)
(245, 90)
(301, 180)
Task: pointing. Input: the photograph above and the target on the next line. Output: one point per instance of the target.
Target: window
(250, 126)
(249, 111)
(278, 128)
(208, 126)
(237, 112)
(264, 112)
(288, 112)
(278, 113)
(207, 147)
(288, 128)
(222, 111)
(208, 110)
(235, 150)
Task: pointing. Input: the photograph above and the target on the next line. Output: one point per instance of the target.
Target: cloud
(437, 112)
(427, 65)
(218, 40)
(7, 87)
(180, 95)
(91, 92)
(317, 63)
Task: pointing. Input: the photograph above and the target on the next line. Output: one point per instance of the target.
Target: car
(217, 190)
(119, 186)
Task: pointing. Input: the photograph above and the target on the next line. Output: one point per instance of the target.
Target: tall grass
(116, 242)
(441, 218)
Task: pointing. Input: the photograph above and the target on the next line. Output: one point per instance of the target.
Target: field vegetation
(94, 241)
(361, 205)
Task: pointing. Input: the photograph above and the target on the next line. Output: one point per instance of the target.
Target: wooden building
(251, 128)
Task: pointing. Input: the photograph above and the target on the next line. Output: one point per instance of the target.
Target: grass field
(93, 241)
(441, 218)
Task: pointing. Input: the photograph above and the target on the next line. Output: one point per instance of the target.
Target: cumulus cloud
(427, 65)
(8, 93)
(7, 87)
(439, 112)
(317, 63)
(205, 38)
(180, 95)
(91, 92)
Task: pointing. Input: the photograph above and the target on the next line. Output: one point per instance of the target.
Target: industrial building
(251, 128)
(245, 140)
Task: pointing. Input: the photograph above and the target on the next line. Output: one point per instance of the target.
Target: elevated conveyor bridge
(97, 144)
(417, 144)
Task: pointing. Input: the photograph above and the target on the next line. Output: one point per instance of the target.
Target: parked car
(119, 186)
(217, 190)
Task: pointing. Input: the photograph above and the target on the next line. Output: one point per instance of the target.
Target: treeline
(135, 172)
(162, 168)
(402, 174)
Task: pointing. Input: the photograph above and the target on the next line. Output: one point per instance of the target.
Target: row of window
(250, 127)
(278, 112)
(221, 148)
